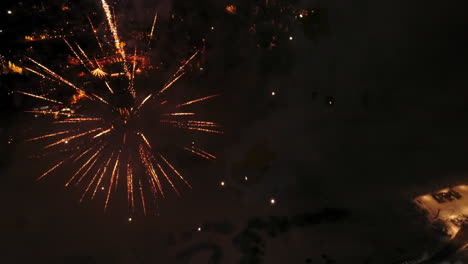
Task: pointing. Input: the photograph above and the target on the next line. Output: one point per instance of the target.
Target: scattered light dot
(66, 141)
(300, 15)
(273, 93)
(1, 30)
(199, 229)
(212, 28)
(9, 12)
(222, 183)
(102, 188)
(246, 178)
(201, 68)
(272, 201)
(130, 219)
(193, 142)
(290, 38)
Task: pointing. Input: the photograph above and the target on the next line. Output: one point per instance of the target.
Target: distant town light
(9, 12)
(272, 201)
(273, 93)
(212, 28)
(222, 183)
(199, 229)
(130, 219)
(290, 38)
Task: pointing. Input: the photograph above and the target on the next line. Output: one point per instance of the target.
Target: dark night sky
(396, 71)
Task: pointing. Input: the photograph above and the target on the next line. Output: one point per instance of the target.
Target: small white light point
(222, 183)
(272, 201)
(66, 142)
(300, 15)
(212, 28)
(246, 178)
(9, 12)
(199, 229)
(201, 68)
(290, 38)
(102, 188)
(130, 219)
(273, 93)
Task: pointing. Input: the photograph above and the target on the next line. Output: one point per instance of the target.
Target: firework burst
(112, 148)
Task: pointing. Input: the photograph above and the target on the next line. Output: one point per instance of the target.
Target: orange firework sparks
(77, 97)
(39, 97)
(107, 143)
(72, 137)
(198, 100)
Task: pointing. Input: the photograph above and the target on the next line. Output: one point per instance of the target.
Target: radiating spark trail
(130, 198)
(108, 87)
(48, 113)
(83, 166)
(84, 55)
(144, 101)
(118, 44)
(112, 179)
(39, 97)
(152, 30)
(202, 129)
(133, 70)
(142, 198)
(87, 170)
(168, 179)
(95, 34)
(76, 55)
(102, 175)
(146, 160)
(84, 119)
(90, 183)
(145, 140)
(180, 114)
(197, 153)
(198, 100)
(185, 64)
(38, 73)
(82, 154)
(176, 172)
(72, 137)
(49, 135)
(53, 168)
(171, 83)
(103, 132)
(100, 99)
(56, 76)
(201, 153)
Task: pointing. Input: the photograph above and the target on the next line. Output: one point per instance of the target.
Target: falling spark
(198, 100)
